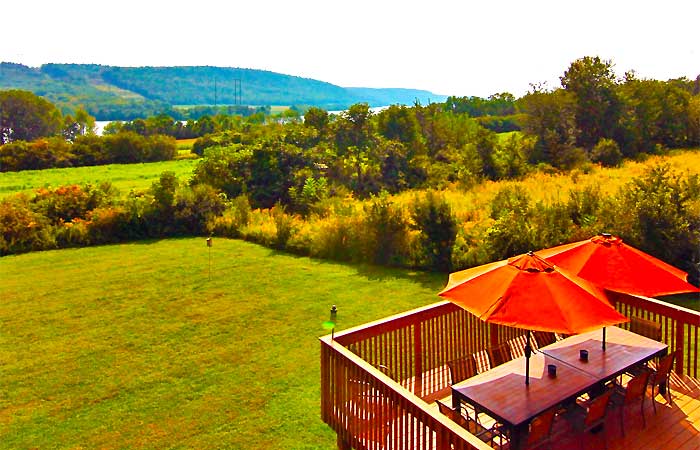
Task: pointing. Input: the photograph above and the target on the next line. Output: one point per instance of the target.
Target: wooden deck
(402, 361)
(675, 426)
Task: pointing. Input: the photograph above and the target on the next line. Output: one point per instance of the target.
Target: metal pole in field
(209, 243)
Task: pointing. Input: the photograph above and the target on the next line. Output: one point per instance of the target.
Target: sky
(461, 48)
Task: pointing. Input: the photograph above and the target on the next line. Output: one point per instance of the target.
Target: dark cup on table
(552, 370)
(583, 355)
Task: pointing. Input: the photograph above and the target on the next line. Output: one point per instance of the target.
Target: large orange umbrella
(528, 292)
(611, 264)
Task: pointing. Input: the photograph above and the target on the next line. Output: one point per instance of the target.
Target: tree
(398, 123)
(354, 138)
(317, 118)
(592, 82)
(25, 116)
(551, 117)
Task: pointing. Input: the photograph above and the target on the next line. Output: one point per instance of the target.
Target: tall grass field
(144, 346)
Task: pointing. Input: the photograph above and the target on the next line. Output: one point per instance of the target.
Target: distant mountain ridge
(106, 91)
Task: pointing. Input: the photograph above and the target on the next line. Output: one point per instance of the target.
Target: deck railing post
(680, 346)
(418, 358)
(342, 444)
(493, 335)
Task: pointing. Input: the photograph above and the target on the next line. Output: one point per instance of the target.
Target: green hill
(109, 92)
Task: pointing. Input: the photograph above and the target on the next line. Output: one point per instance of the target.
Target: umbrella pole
(528, 352)
(603, 338)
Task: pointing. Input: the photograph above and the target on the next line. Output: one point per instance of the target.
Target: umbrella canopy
(528, 292)
(611, 264)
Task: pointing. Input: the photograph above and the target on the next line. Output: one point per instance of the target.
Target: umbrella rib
(492, 306)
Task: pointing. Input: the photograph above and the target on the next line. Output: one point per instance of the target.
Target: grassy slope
(123, 176)
(133, 346)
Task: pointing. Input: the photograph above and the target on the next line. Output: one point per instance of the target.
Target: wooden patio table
(501, 392)
(623, 349)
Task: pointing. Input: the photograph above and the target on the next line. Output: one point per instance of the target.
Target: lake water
(101, 124)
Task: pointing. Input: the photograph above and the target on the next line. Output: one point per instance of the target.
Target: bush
(161, 148)
(65, 203)
(385, 231)
(21, 229)
(432, 216)
(607, 153)
(656, 214)
(195, 207)
(284, 224)
(583, 205)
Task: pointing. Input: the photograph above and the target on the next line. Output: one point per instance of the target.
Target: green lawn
(123, 176)
(134, 346)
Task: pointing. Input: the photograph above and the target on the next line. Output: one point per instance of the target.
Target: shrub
(125, 147)
(161, 148)
(107, 224)
(432, 216)
(509, 199)
(337, 238)
(607, 153)
(385, 231)
(21, 229)
(284, 224)
(195, 207)
(583, 205)
(63, 203)
(314, 190)
(657, 211)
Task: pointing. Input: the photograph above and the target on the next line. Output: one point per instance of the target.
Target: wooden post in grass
(209, 243)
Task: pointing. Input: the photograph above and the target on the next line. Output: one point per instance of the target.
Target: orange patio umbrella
(611, 264)
(528, 292)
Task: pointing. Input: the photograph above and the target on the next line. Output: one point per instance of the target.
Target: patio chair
(540, 430)
(590, 415)
(661, 377)
(474, 427)
(646, 328)
(462, 368)
(499, 354)
(544, 338)
(634, 391)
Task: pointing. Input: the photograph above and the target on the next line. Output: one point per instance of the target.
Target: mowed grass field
(124, 177)
(135, 346)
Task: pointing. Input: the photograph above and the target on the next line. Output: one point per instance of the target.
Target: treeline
(86, 150)
(656, 212)
(594, 116)
(193, 128)
(35, 135)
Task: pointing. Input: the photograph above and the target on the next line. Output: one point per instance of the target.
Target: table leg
(517, 435)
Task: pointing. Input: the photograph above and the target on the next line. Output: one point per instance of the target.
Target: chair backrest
(646, 328)
(541, 427)
(664, 368)
(637, 386)
(462, 368)
(499, 354)
(596, 409)
(544, 338)
(452, 414)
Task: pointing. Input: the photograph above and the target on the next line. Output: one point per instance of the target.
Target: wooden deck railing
(377, 379)
(680, 327)
(369, 410)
